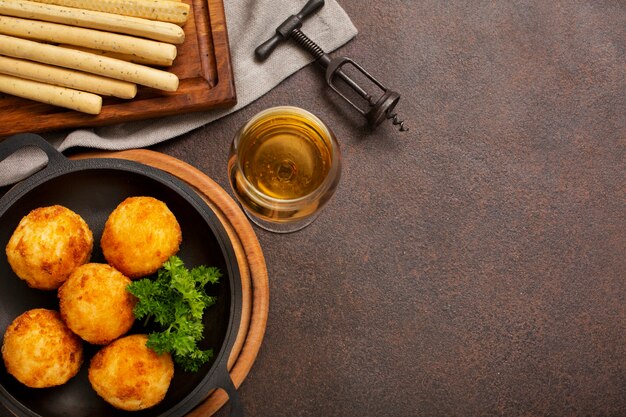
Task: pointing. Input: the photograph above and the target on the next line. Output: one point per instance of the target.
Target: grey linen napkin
(249, 23)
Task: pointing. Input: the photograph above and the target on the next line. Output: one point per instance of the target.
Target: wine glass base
(275, 227)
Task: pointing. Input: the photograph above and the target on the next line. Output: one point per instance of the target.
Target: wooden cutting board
(203, 65)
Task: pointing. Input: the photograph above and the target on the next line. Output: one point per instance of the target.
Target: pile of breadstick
(70, 53)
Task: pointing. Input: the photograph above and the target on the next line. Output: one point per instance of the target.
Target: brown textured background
(476, 264)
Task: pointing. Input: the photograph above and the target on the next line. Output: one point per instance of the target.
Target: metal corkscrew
(375, 109)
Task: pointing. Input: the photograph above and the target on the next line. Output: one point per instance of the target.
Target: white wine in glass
(284, 166)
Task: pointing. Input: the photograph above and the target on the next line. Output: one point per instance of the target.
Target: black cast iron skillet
(93, 188)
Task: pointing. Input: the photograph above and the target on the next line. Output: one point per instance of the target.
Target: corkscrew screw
(376, 108)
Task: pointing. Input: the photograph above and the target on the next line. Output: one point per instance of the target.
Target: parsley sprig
(176, 301)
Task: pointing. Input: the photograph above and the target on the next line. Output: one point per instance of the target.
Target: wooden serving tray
(254, 278)
(203, 65)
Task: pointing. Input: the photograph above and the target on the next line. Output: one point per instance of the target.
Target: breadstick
(67, 78)
(124, 57)
(160, 31)
(51, 94)
(87, 62)
(165, 11)
(95, 39)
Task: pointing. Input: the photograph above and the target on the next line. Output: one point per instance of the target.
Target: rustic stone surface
(476, 264)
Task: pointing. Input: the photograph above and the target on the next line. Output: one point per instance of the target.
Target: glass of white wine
(284, 166)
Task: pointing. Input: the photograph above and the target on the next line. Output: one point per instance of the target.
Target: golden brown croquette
(47, 245)
(40, 351)
(95, 304)
(139, 235)
(129, 375)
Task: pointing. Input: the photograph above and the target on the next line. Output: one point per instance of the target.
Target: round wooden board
(254, 279)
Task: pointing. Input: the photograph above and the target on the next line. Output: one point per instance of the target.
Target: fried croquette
(95, 304)
(139, 235)
(47, 245)
(129, 375)
(40, 351)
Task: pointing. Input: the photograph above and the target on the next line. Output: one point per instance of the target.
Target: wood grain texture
(255, 286)
(203, 65)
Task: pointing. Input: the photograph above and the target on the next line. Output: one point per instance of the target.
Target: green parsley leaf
(176, 301)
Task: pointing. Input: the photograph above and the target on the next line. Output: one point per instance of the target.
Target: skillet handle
(14, 143)
(236, 406)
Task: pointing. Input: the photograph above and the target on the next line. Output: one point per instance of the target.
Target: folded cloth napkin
(249, 23)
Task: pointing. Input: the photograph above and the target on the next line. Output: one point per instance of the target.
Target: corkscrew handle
(285, 30)
(309, 8)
